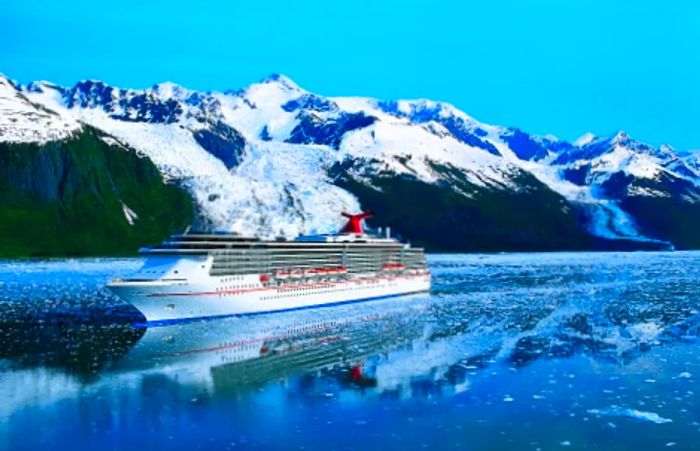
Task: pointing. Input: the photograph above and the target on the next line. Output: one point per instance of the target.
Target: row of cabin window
(237, 287)
(309, 263)
(265, 298)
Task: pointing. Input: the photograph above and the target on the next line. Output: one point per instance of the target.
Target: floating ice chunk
(685, 375)
(508, 398)
(615, 411)
(646, 332)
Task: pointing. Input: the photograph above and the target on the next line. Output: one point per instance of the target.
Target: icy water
(516, 351)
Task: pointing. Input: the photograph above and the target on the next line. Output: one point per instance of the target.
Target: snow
(646, 192)
(392, 137)
(357, 104)
(260, 105)
(623, 159)
(584, 139)
(111, 141)
(169, 90)
(643, 167)
(24, 122)
(389, 140)
(129, 214)
(288, 194)
(277, 190)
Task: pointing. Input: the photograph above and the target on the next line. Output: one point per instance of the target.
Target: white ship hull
(158, 300)
(209, 275)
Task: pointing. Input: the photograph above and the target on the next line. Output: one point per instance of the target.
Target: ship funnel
(354, 224)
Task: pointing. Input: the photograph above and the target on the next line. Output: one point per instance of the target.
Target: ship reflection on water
(236, 355)
(379, 346)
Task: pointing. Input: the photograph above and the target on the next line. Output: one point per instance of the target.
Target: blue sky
(547, 66)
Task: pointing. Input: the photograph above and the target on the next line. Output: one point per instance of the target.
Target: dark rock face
(265, 134)
(123, 105)
(443, 219)
(617, 185)
(578, 175)
(222, 141)
(678, 223)
(665, 207)
(587, 152)
(525, 146)
(310, 102)
(69, 198)
(313, 130)
(457, 128)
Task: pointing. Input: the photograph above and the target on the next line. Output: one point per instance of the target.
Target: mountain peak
(168, 90)
(422, 110)
(25, 121)
(620, 137)
(90, 82)
(41, 86)
(7, 83)
(282, 80)
(584, 139)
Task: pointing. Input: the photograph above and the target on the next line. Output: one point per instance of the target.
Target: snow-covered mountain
(23, 121)
(67, 188)
(274, 159)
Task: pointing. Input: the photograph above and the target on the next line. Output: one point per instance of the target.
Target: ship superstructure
(202, 275)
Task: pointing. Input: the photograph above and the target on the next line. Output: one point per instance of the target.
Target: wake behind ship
(205, 275)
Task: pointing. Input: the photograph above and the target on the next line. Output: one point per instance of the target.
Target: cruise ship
(196, 275)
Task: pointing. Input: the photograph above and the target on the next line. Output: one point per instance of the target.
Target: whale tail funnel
(354, 224)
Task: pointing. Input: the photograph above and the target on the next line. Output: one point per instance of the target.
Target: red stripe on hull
(282, 289)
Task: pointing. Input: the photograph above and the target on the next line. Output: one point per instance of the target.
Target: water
(515, 351)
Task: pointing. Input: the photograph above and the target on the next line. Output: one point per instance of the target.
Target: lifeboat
(337, 270)
(282, 274)
(393, 267)
(296, 273)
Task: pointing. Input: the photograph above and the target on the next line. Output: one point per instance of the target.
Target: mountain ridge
(264, 160)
